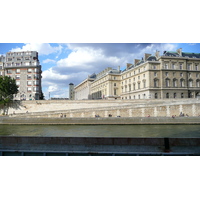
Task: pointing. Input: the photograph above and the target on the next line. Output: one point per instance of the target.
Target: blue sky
(63, 63)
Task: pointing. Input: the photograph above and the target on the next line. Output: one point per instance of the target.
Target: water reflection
(101, 130)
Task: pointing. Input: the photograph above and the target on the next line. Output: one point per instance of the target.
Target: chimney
(128, 65)
(146, 55)
(136, 61)
(157, 54)
(179, 51)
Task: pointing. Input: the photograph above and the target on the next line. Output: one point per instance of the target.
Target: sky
(64, 63)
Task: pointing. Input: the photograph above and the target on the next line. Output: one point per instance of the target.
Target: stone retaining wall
(90, 108)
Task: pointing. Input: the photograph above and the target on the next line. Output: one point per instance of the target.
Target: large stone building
(171, 75)
(25, 68)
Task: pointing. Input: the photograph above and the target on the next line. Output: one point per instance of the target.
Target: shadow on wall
(4, 108)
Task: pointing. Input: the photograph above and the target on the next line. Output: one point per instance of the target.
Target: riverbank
(101, 121)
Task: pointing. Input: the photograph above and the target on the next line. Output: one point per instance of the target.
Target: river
(187, 131)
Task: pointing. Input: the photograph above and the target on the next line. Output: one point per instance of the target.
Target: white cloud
(86, 59)
(41, 48)
(48, 61)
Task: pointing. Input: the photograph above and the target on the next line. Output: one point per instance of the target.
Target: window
(144, 96)
(138, 77)
(189, 67)
(18, 58)
(181, 74)
(182, 82)
(129, 88)
(167, 95)
(29, 70)
(173, 66)
(29, 83)
(167, 82)
(155, 82)
(198, 83)
(115, 92)
(196, 67)
(17, 77)
(9, 59)
(29, 89)
(181, 66)
(174, 95)
(134, 86)
(36, 77)
(27, 58)
(144, 84)
(114, 84)
(166, 73)
(156, 95)
(166, 66)
(36, 82)
(182, 96)
(29, 77)
(154, 67)
(18, 64)
(138, 96)
(27, 63)
(155, 73)
(9, 71)
(138, 85)
(190, 83)
(17, 71)
(174, 83)
(138, 70)
(17, 83)
(144, 75)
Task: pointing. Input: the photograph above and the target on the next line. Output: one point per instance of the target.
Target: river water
(187, 131)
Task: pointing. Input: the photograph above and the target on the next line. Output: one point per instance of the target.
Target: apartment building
(170, 75)
(25, 68)
(2, 60)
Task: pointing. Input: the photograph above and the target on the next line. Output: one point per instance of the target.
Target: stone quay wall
(102, 108)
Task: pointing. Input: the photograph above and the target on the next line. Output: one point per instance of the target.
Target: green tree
(42, 96)
(8, 88)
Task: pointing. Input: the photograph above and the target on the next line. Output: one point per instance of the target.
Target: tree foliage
(8, 88)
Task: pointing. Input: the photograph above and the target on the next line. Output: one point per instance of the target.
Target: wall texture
(90, 108)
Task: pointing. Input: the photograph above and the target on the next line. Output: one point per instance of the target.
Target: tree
(8, 88)
(42, 96)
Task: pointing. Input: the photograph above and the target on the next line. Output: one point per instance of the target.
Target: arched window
(190, 82)
(198, 82)
(174, 82)
(167, 81)
(155, 82)
(182, 82)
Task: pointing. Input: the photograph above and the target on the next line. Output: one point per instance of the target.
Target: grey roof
(92, 75)
(152, 58)
(184, 54)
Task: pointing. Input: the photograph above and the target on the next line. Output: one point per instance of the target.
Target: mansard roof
(152, 58)
(184, 54)
(92, 75)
